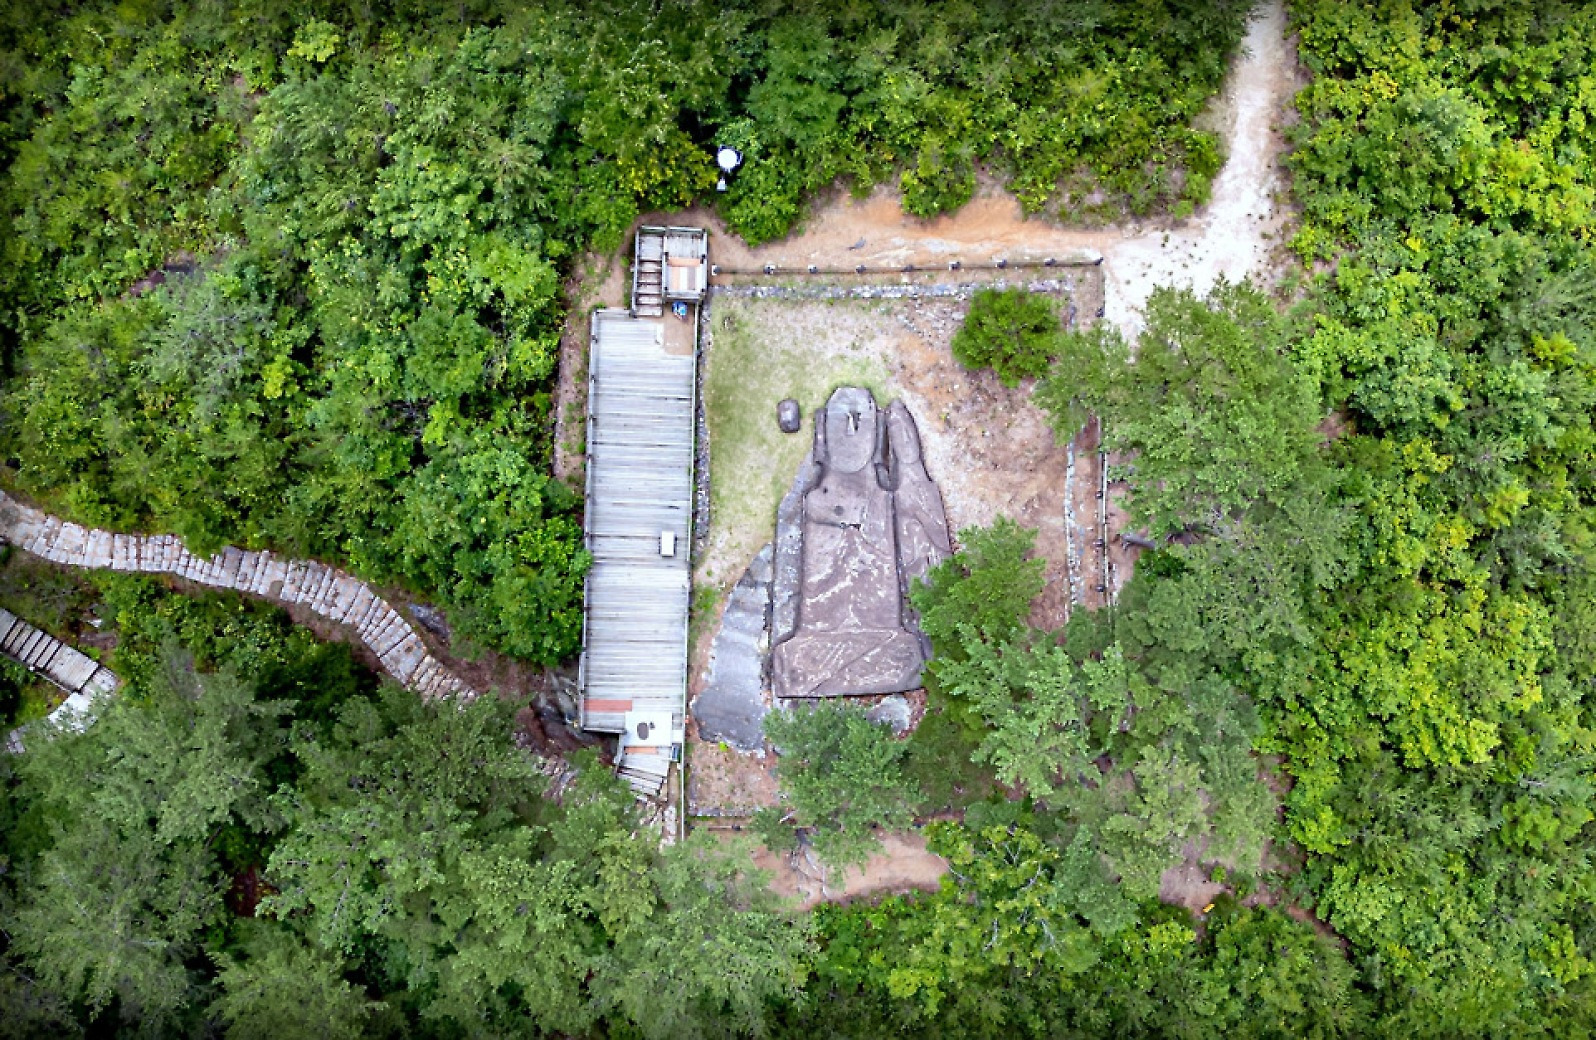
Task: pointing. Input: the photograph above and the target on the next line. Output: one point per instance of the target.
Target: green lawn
(761, 352)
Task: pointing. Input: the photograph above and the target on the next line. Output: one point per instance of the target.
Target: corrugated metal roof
(639, 485)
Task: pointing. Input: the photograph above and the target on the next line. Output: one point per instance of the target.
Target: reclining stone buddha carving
(862, 522)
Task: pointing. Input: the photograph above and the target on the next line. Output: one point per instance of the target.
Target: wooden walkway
(641, 400)
(82, 677)
(326, 591)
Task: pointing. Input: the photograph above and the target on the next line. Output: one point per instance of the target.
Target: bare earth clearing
(904, 864)
(988, 449)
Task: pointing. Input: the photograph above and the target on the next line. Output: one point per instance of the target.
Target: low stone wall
(326, 591)
(944, 290)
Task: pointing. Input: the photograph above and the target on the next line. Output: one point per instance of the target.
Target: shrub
(841, 775)
(1011, 331)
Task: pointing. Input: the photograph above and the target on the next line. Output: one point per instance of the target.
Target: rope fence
(772, 270)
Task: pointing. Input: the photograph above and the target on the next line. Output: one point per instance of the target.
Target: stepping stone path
(326, 591)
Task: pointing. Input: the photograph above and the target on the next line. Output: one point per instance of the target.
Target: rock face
(863, 520)
(788, 417)
(731, 707)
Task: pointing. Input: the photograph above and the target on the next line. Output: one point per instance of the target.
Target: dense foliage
(1135, 747)
(279, 846)
(1403, 588)
(290, 275)
(842, 779)
(1005, 952)
(1441, 733)
(1010, 331)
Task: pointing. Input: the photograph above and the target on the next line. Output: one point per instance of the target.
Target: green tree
(1212, 412)
(1014, 332)
(986, 587)
(713, 958)
(387, 804)
(118, 906)
(285, 987)
(841, 776)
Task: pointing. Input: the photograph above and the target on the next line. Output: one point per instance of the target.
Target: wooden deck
(640, 437)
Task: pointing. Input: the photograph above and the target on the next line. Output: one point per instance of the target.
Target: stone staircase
(326, 591)
(82, 677)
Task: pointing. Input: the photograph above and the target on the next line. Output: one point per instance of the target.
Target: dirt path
(904, 864)
(600, 283)
(1236, 235)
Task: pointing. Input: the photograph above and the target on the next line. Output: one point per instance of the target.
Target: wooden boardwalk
(326, 591)
(82, 677)
(641, 405)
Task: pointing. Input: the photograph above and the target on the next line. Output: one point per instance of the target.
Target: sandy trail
(903, 864)
(1239, 230)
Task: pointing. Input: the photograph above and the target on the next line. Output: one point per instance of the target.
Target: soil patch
(601, 282)
(903, 864)
(722, 783)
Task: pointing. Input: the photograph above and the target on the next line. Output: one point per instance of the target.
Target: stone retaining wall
(959, 290)
(326, 591)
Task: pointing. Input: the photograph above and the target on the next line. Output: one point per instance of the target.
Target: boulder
(788, 416)
(892, 711)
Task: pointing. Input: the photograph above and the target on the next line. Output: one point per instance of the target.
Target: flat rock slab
(892, 711)
(731, 708)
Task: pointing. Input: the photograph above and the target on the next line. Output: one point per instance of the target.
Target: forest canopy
(290, 275)
(295, 275)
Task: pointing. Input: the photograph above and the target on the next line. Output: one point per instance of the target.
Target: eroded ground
(903, 864)
(723, 783)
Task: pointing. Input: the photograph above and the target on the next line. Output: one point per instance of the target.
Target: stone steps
(81, 676)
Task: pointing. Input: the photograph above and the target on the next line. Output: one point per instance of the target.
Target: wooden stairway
(648, 276)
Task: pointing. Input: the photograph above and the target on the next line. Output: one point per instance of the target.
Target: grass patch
(706, 599)
(763, 351)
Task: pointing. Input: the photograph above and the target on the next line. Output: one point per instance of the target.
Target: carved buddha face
(851, 434)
